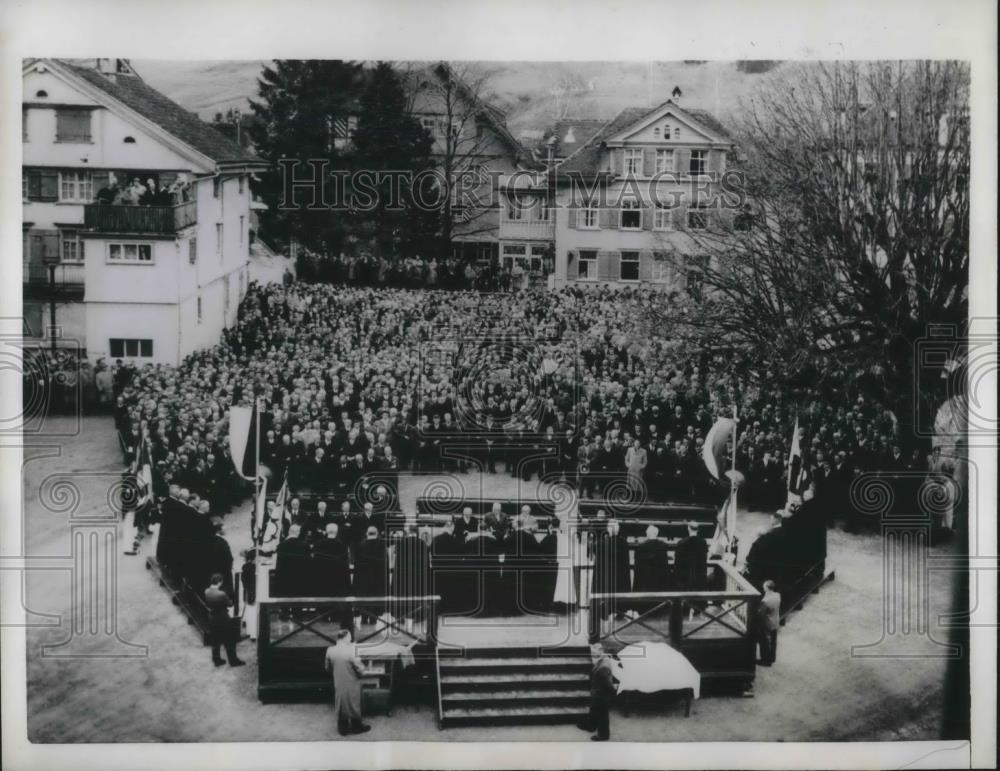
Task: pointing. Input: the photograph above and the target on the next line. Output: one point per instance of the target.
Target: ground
(816, 691)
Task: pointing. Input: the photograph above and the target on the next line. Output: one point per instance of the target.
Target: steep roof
(133, 92)
(571, 133)
(586, 158)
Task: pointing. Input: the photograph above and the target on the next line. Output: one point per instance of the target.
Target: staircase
(512, 686)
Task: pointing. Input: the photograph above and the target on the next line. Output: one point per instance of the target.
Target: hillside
(533, 94)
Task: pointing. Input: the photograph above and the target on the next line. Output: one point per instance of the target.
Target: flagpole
(731, 525)
(256, 466)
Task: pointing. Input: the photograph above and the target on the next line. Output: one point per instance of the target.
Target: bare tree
(852, 239)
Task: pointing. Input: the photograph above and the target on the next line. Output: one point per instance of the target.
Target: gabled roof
(571, 133)
(133, 92)
(586, 159)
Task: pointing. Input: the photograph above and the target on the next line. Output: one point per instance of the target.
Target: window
(631, 215)
(225, 293)
(659, 267)
(130, 253)
(24, 124)
(664, 161)
(699, 162)
(587, 262)
(633, 162)
(429, 124)
(193, 251)
(544, 211)
(666, 131)
(587, 217)
(199, 309)
(697, 217)
(242, 183)
(629, 266)
(72, 247)
(72, 125)
(216, 187)
(242, 225)
(663, 217)
(119, 347)
(76, 186)
(24, 186)
(218, 238)
(656, 133)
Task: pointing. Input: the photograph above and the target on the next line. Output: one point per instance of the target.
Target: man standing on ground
(347, 670)
(768, 620)
(221, 629)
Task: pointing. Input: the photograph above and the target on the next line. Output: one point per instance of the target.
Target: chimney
(676, 93)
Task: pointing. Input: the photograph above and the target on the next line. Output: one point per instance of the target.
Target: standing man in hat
(603, 687)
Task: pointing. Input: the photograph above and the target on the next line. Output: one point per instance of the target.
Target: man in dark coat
(446, 551)
(411, 571)
(292, 565)
(611, 568)
(331, 565)
(521, 568)
(652, 567)
(220, 557)
(465, 524)
(603, 687)
(221, 629)
(371, 571)
(690, 560)
(765, 560)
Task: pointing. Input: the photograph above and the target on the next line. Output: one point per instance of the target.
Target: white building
(151, 283)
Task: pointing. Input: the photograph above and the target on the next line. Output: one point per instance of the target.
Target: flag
(243, 440)
(142, 471)
(272, 528)
(260, 512)
(795, 461)
(714, 451)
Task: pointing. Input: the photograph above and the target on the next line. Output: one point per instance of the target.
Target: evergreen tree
(302, 113)
(389, 139)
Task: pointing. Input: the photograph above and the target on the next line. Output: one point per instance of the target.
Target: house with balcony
(634, 199)
(148, 280)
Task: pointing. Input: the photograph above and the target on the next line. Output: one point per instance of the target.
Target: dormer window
(41, 94)
(666, 131)
(656, 133)
(129, 140)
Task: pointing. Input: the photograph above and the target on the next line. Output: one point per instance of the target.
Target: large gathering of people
(358, 380)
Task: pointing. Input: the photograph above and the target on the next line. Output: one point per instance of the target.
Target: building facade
(149, 281)
(625, 201)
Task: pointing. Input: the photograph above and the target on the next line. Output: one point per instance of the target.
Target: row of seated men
(477, 567)
(191, 544)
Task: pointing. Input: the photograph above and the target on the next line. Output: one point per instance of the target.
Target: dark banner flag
(243, 440)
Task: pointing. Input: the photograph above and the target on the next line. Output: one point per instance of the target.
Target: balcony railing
(67, 273)
(541, 229)
(159, 220)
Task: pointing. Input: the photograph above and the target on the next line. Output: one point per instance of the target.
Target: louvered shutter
(48, 186)
(604, 266)
(645, 265)
(614, 266)
(34, 185)
(648, 161)
(611, 162)
(647, 218)
(573, 218)
(604, 218)
(50, 245)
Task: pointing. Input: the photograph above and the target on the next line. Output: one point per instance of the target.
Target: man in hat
(652, 567)
(345, 665)
(222, 632)
(768, 621)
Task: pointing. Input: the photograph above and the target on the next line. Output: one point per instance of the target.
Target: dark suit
(652, 568)
(292, 568)
(690, 561)
(446, 551)
(411, 572)
(221, 629)
(602, 692)
(371, 571)
(331, 568)
(463, 528)
(611, 570)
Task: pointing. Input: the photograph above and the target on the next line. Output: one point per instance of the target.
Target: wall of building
(158, 323)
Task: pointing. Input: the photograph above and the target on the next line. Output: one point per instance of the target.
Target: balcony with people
(142, 207)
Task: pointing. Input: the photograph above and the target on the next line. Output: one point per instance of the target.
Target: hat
(371, 531)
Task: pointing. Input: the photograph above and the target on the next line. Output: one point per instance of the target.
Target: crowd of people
(452, 273)
(149, 193)
(358, 380)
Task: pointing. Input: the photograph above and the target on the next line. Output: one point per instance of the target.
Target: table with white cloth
(653, 667)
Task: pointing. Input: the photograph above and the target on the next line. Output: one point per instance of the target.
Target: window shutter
(648, 161)
(645, 265)
(571, 264)
(50, 244)
(48, 186)
(611, 161)
(604, 266)
(604, 218)
(647, 218)
(34, 185)
(614, 266)
(684, 159)
(574, 216)
(100, 180)
(717, 163)
(680, 215)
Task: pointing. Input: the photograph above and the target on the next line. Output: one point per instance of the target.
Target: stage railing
(294, 633)
(732, 609)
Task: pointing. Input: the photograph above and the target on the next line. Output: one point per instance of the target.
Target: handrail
(351, 598)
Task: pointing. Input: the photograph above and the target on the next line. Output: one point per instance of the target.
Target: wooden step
(513, 715)
(507, 696)
(554, 680)
(506, 665)
(542, 651)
